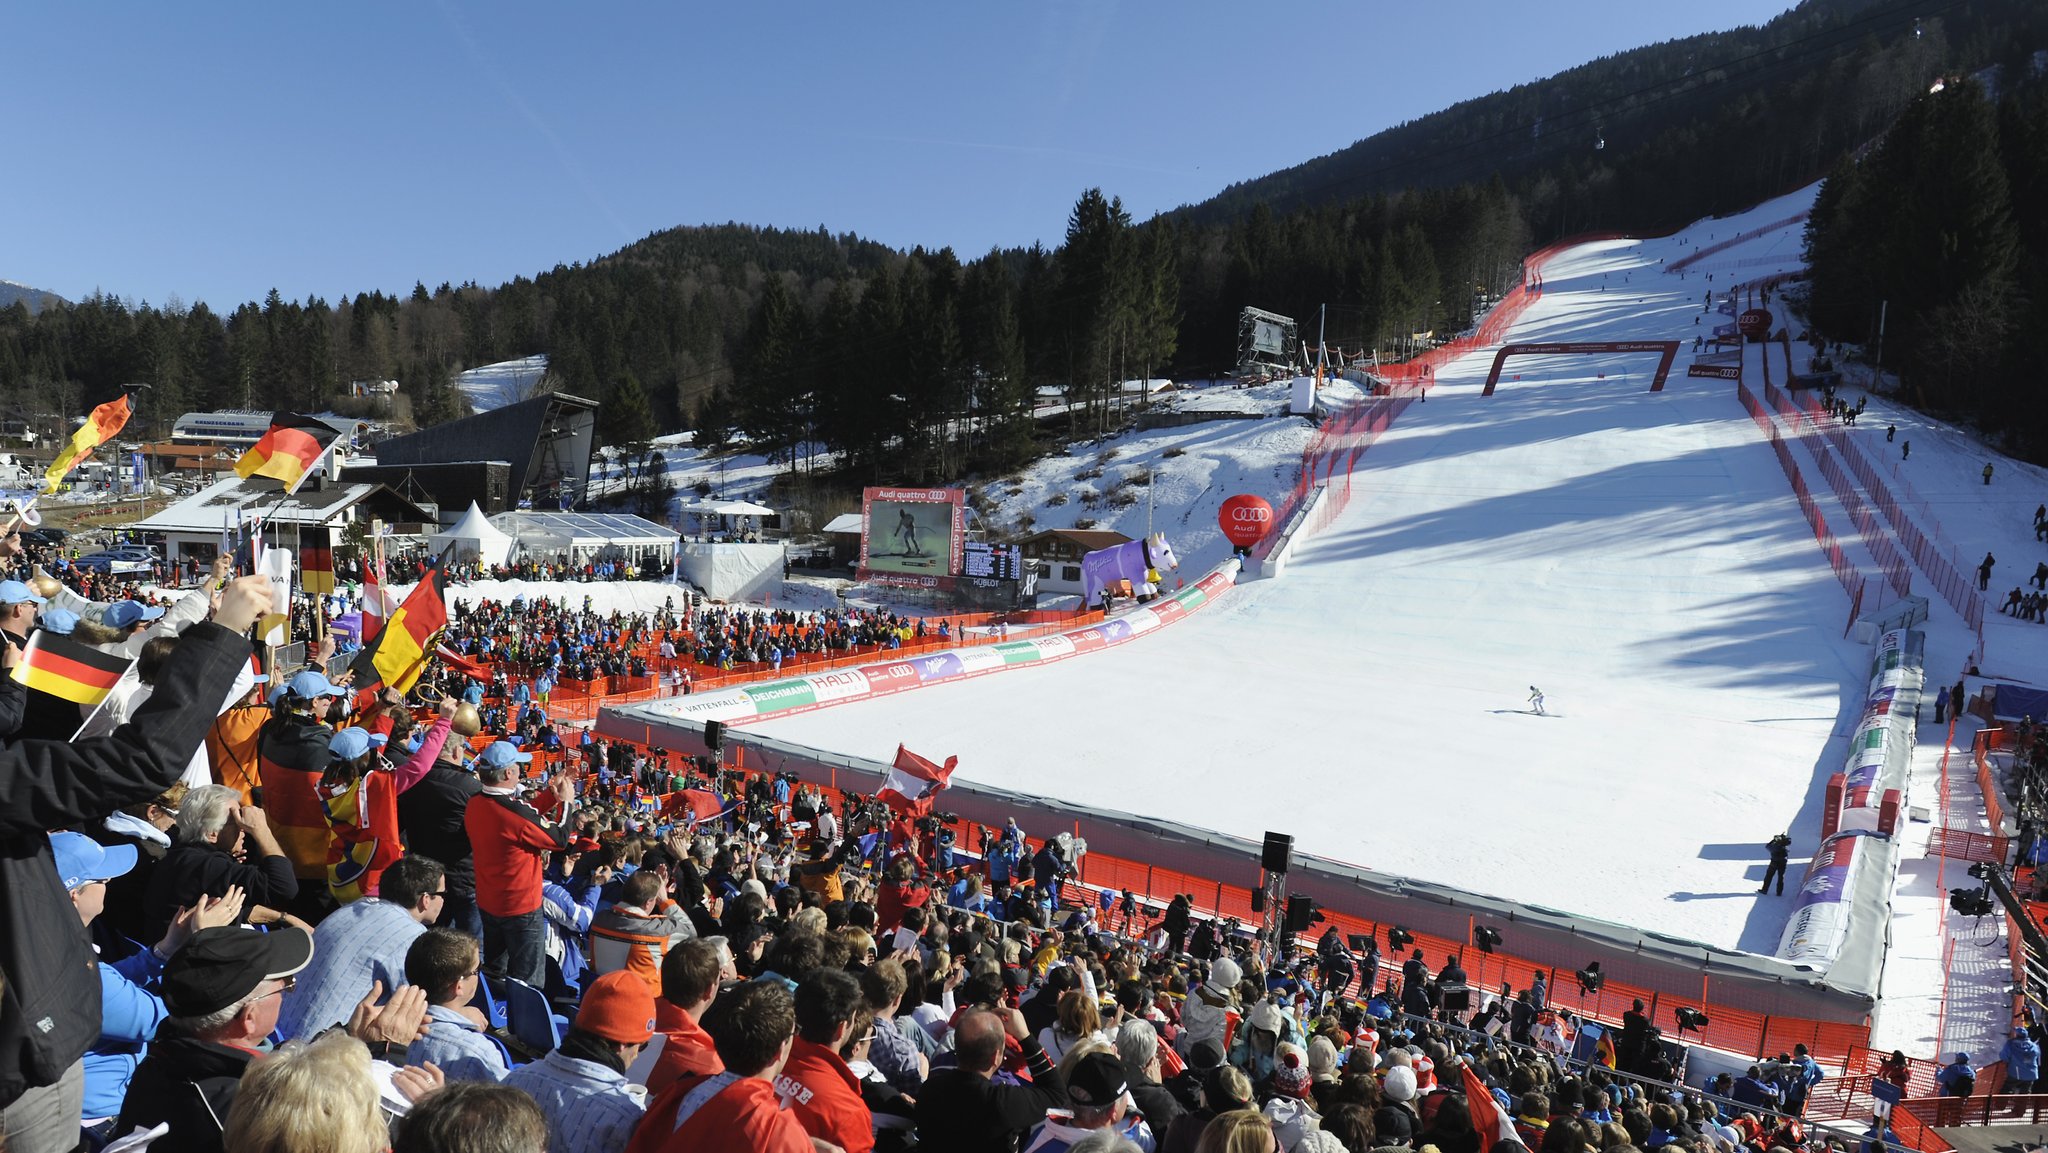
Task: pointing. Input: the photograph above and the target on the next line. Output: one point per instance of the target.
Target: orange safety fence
(1913, 1120)
(1986, 742)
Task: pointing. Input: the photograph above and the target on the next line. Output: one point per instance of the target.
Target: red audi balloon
(1245, 519)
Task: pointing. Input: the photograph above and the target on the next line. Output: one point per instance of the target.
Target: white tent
(474, 539)
(578, 537)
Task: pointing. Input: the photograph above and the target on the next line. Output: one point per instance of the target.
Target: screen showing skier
(912, 531)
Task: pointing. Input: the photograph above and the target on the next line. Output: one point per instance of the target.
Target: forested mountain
(922, 366)
(1942, 231)
(35, 298)
(1676, 131)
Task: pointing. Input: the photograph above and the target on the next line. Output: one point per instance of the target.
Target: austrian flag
(911, 782)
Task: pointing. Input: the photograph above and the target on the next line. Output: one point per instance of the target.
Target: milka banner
(782, 698)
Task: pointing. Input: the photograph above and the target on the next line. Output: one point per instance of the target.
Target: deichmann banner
(737, 706)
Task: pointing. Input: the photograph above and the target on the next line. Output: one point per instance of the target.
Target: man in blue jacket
(1958, 1078)
(2022, 1057)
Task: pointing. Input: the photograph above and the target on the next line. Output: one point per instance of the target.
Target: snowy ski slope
(1636, 555)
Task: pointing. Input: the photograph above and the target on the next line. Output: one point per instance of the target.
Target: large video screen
(1269, 338)
(911, 531)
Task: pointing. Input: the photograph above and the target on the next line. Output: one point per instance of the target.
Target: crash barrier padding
(1844, 899)
(792, 695)
(1304, 520)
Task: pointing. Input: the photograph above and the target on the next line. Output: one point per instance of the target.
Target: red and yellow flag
(402, 647)
(316, 569)
(289, 450)
(103, 425)
(65, 668)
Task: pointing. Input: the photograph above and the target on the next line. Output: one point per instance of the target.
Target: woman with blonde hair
(1079, 1020)
(1239, 1131)
(315, 1098)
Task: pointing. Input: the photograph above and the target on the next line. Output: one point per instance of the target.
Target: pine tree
(625, 416)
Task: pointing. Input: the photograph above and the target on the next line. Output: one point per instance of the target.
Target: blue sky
(216, 151)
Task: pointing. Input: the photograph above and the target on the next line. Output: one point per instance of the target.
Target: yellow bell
(467, 722)
(44, 584)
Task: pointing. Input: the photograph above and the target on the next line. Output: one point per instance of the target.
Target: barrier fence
(1893, 494)
(1699, 254)
(1853, 581)
(1879, 542)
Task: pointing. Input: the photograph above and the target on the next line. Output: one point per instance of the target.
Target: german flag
(103, 425)
(65, 668)
(401, 649)
(289, 450)
(316, 569)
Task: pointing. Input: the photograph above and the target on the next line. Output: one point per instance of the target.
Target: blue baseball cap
(310, 684)
(82, 860)
(58, 621)
(18, 593)
(348, 744)
(504, 754)
(123, 614)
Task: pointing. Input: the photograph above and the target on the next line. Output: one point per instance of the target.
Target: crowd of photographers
(320, 941)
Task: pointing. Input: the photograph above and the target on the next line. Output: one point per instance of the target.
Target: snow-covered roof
(845, 522)
(218, 503)
(727, 508)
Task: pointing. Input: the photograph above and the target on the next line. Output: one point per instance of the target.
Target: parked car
(113, 564)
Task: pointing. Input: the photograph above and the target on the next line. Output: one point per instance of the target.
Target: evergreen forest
(922, 366)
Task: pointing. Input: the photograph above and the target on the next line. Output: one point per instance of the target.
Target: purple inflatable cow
(1138, 562)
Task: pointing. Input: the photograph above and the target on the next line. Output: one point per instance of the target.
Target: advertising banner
(817, 690)
(1814, 934)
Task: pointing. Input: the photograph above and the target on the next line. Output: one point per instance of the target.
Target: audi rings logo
(1256, 514)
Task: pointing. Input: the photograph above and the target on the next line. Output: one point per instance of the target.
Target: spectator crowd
(266, 911)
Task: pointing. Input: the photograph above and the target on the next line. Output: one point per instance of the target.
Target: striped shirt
(590, 1108)
(454, 1043)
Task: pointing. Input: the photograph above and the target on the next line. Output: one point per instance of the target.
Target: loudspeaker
(1259, 900)
(1299, 911)
(1279, 847)
(714, 735)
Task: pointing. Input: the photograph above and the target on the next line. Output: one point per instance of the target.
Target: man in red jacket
(737, 1109)
(815, 1082)
(689, 983)
(511, 840)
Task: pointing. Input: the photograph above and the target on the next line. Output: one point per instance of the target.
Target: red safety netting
(1853, 580)
(1875, 538)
